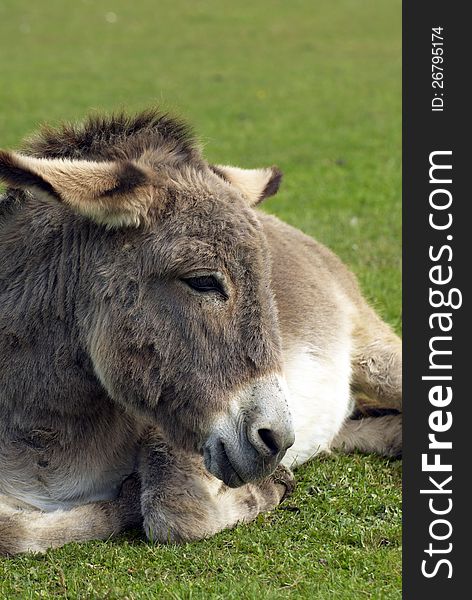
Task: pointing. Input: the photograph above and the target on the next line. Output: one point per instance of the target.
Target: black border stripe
(425, 131)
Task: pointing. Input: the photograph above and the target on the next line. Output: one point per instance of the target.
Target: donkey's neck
(39, 265)
(42, 251)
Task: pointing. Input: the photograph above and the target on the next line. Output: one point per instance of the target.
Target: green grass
(337, 537)
(313, 87)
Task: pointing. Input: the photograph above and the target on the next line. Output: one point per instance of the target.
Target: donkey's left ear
(254, 184)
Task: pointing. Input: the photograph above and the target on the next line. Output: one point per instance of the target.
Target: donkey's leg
(181, 501)
(376, 385)
(29, 530)
(380, 435)
(376, 365)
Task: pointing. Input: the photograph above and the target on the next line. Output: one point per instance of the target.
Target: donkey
(168, 352)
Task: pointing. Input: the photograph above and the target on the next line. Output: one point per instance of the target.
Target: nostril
(271, 440)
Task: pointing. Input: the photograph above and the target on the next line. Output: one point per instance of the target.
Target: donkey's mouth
(219, 464)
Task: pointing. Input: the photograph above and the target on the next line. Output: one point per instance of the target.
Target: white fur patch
(319, 399)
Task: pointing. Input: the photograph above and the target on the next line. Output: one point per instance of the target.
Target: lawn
(314, 87)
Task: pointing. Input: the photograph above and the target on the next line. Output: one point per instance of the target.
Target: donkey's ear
(111, 193)
(255, 184)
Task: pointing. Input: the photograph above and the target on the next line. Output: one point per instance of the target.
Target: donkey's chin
(219, 464)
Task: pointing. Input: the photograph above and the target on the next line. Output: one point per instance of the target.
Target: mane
(115, 136)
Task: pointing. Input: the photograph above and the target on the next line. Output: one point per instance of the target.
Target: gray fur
(112, 366)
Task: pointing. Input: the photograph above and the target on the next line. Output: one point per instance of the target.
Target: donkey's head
(176, 310)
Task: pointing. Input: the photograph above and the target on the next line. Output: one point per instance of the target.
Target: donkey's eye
(205, 284)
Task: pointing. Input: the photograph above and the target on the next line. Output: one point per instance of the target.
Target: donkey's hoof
(283, 477)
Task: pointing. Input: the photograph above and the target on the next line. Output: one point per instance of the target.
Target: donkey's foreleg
(30, 530)
(181, 501)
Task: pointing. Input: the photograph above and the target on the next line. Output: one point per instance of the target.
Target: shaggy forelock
(116, 136)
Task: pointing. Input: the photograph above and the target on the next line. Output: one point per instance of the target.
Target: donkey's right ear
(115, 193)
(254, 184)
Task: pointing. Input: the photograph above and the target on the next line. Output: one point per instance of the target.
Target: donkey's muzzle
(248, 443)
